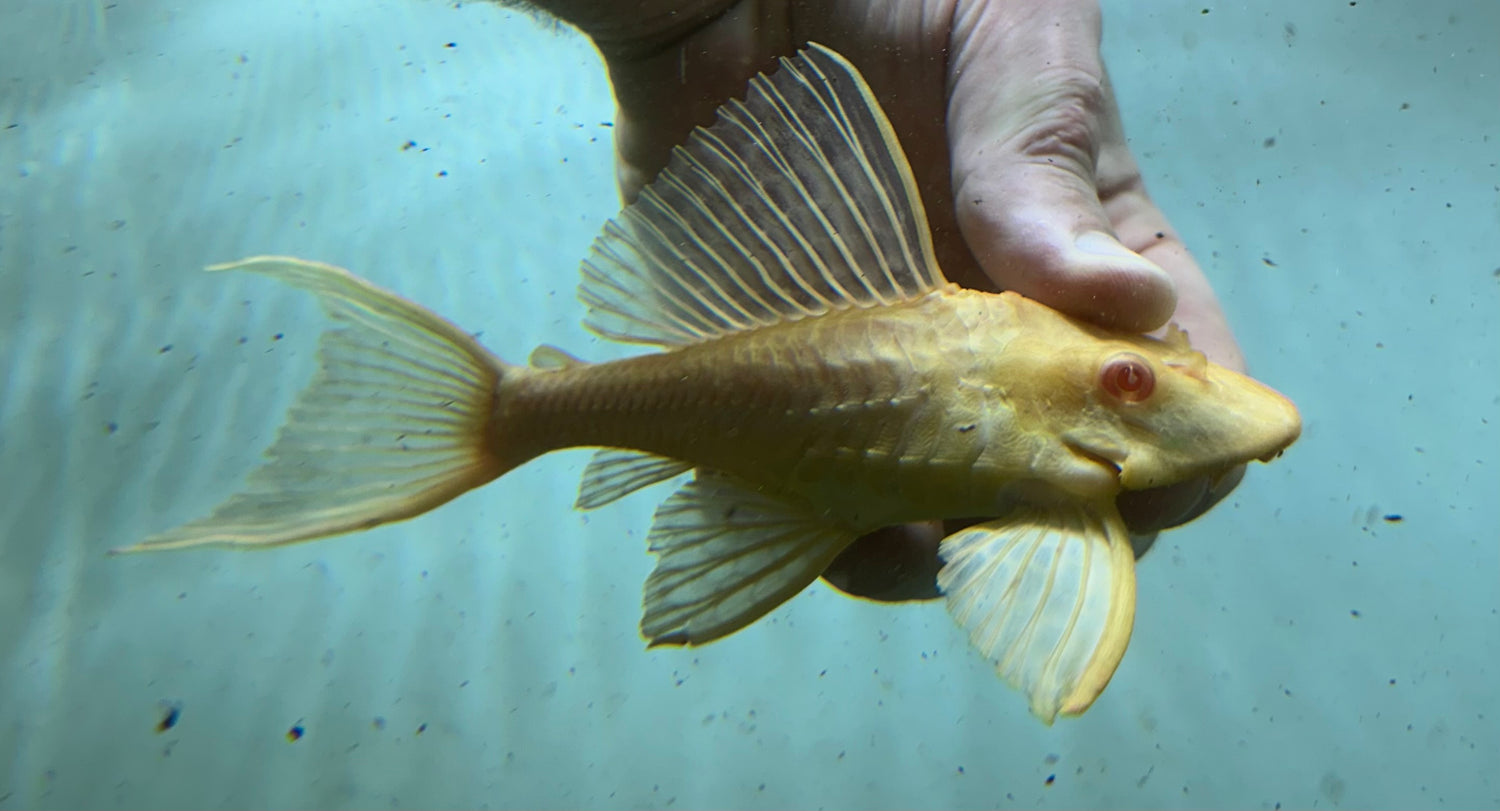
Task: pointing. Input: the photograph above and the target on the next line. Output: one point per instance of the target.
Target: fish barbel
(819, 378)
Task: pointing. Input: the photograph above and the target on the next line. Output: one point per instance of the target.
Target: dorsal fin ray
(796, 202)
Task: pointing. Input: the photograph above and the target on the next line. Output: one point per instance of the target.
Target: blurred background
(1329, 636)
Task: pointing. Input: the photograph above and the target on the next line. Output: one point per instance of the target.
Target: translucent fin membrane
(728, 554)
(796, 202)
(1048, 598)
(394, 423)
(614, 474)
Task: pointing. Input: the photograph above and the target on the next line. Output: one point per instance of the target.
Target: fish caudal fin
(729, 554)
(1048, 598)
(395, 422)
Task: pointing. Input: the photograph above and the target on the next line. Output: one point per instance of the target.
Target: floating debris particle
(295, 733)
(171, 711)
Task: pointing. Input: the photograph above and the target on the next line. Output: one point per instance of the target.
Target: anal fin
(613, 474)
(729, 554)
(1048, 597)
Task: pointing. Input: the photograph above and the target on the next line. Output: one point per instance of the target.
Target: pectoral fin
(728, 555)
(1049, 598)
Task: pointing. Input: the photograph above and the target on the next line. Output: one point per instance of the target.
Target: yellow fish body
(820, 379)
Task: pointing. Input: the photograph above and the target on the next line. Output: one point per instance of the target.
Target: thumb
(1029, 106)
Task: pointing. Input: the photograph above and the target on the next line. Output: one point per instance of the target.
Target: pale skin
(1008, 120)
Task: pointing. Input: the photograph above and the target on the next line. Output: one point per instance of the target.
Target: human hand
(1008, 120)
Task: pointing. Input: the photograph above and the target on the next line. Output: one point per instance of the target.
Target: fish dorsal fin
(614, 474)
(728, 554)
(798, 201)
(1048, 597)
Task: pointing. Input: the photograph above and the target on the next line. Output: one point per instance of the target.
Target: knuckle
(1069, 123)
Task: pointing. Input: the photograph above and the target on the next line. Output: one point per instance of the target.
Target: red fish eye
(1128, 377)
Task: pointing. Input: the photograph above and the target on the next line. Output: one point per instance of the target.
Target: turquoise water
(1335, 166)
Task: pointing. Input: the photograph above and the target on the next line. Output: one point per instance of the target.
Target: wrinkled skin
(1009, 122)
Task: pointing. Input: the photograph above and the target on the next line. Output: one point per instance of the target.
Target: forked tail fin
(397, 421)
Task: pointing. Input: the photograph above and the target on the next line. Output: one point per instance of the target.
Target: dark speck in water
(171, 711)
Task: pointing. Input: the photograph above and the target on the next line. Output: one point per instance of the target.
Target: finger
(1028, 108)
(894, 564)
(1148, 511)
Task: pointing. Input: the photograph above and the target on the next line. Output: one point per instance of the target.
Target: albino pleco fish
(819, 378)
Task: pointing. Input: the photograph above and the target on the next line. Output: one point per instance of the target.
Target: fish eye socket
(1127, 377)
